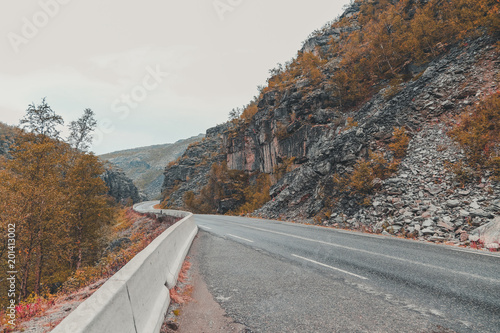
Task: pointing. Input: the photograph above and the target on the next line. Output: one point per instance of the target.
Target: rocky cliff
(120, 186)
(307, 127)
(446, 87)
(145, 165)
(189, 172)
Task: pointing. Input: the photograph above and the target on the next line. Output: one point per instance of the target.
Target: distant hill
(145, 165)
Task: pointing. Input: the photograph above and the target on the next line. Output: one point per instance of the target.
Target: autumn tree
(88, 212)
(88, 209)
(34, 174)
(54, 195)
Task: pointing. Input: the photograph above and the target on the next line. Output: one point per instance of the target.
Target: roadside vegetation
(54, 202)
(478, 133)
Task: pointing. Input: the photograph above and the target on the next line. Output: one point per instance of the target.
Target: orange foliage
(248, 191)
(361, 181)
(350, 123)
(33, 306)
(390, 37)
(256, 195)
(478, 133)
(250, 111)
(400, 142)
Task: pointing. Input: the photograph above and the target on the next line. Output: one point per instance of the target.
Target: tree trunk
(38, 276)
(25, 275)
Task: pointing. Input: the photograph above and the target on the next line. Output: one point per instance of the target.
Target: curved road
(147, 207)
(276, 276)
(282, 277)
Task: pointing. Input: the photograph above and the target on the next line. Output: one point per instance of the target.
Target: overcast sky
(153, 71)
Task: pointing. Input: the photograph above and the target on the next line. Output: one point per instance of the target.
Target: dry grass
(181, 294)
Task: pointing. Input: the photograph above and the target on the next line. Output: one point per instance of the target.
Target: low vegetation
(361, 182)
(400, 143)
(478, 133)
(229, 191)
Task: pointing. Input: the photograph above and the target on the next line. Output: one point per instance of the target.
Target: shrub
(256, 195)
(283, 168)
(361, 181)
(280, 131)
(247, 192)
(478, 133)
(494, 165)
(400, 142)
(463, 173)
(250, 111)
(33, 306)
(350, 123)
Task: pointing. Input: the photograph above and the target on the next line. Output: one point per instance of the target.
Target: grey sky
(93, 53)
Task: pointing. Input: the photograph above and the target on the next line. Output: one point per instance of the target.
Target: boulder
(488, 233)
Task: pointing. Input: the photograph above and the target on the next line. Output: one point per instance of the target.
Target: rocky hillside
(145, 165)
(190, 171)
(355, 131)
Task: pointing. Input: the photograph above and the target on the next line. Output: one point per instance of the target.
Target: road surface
(275, 276)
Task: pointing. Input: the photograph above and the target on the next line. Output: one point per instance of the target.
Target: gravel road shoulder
(202, 313)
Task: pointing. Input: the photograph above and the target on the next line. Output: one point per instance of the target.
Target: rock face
(7, 137)
(145, 165)
(423, 188)
(422, 198)
(120, 186)
(189, 173)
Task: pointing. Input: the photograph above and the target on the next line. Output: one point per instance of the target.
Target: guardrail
(137, 297)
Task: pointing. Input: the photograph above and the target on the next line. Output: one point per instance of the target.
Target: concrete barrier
(136, 298)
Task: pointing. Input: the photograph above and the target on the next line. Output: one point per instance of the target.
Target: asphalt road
(146, 206)
(282, 277)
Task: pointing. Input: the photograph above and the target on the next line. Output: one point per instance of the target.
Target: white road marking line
(371, 253)
(354, 233)
(248, 240)
(331, 267)
(474, 252)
